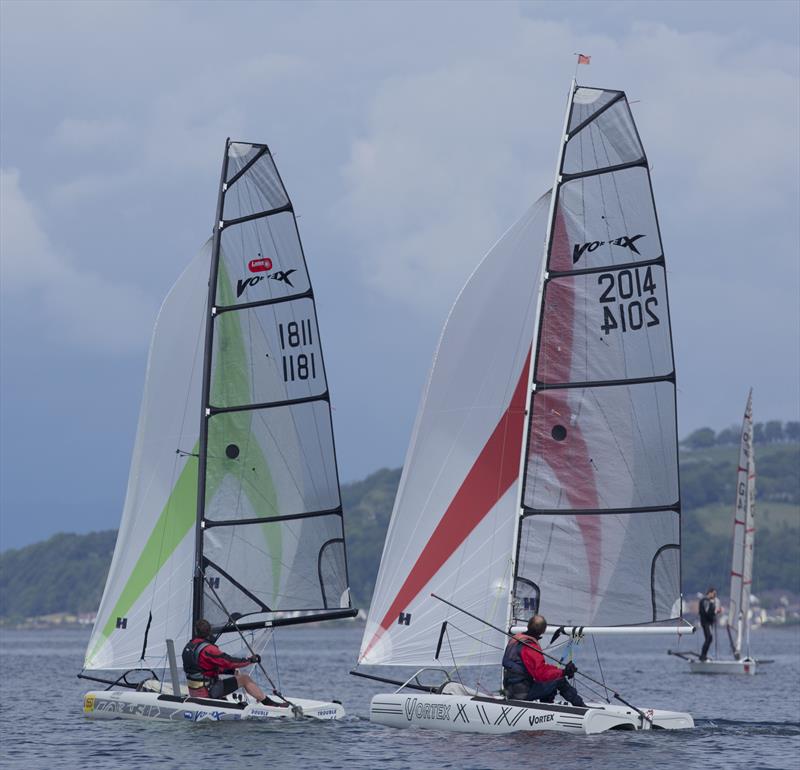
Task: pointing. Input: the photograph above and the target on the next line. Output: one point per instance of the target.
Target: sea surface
(742, 722)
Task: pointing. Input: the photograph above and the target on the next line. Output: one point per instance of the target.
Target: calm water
(743, 722)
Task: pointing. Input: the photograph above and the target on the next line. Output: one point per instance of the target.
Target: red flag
(584, 59)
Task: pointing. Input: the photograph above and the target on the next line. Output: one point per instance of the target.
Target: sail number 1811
(626, 305)
(297, 365)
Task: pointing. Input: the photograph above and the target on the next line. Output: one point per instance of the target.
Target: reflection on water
(742, 721)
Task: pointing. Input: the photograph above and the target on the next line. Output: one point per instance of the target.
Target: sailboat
(738, 625)
(542, 472)
(233, 510)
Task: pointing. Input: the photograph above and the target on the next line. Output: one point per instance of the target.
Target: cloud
(78, 306)
(450, 156)
(88, 135)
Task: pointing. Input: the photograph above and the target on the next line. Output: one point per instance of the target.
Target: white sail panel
(147, 597)
(610, 139)
(599, 536)
(599, 569)
(603, 448)
(607, 219)
(743, 534)
(452, 525)
(603, 326)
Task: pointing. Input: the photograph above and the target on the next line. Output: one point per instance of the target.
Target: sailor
(528, 677)
(709, 609)
(204, 662)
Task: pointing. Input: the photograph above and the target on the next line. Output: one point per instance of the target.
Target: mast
(197, 578)
(743, 535)
(531, 386)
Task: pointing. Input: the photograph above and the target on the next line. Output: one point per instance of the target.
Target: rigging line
(296, 710)
(452, 655)
(641, 713)
(599, 666)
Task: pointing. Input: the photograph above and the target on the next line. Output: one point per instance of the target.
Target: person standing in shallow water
(526, 676)
(204, 663)
(709, 609)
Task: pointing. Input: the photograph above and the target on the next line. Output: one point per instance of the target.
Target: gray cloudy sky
(410, 136)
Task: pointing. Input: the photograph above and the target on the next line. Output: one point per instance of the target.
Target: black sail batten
(267, 458)
(600, 486)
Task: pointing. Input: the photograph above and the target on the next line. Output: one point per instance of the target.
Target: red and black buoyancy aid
(514, 671)
(195, 677)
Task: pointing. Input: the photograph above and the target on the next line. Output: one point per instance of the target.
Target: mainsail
(233, 505)
(599, 530)
(743, 537)
(270, 528)
(573, 510)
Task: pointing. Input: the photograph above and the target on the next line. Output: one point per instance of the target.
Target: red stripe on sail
(569, 457)
(493, 472)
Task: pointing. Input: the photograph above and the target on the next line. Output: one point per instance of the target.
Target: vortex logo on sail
(262, 265)
(624, 241)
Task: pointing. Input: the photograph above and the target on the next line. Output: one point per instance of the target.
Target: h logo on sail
(404, 619)
(122, 622)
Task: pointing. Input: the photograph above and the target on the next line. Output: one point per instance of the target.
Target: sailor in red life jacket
(204, 662)
(528, 677)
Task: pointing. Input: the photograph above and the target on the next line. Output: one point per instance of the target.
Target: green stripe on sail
(176, 520)
(230, 385)
(250, 468)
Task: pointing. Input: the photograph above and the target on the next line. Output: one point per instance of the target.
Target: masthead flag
(583, 59)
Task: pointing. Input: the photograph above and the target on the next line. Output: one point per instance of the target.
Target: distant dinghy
(542, 472)
(744, 530)
(233, 509)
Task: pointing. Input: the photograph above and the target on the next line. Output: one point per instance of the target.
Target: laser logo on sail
(624, 241)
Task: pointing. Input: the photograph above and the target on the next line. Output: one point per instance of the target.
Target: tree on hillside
(791, 431)
(773, 431)
(758, 433)
(728, 436)
(702, 437)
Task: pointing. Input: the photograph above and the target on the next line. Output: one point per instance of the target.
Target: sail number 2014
(297, 365)
(626, 304)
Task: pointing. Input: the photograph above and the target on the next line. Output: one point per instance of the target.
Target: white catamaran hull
(121, 704)
(476, 714)
(744, 666)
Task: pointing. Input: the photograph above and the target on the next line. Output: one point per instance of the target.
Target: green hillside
(66, 573)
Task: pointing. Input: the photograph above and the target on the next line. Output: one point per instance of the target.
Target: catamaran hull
(745, 666)
(466, 714)
(120, 704)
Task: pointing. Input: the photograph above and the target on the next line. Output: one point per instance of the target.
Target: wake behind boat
(233, 510)
(542, 472)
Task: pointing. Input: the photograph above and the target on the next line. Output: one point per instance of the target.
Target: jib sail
(456, 508)
(147, 597)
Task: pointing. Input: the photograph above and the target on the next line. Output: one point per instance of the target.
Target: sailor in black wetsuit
(709, 609)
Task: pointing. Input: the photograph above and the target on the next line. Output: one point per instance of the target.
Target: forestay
(270, 510)
(743, 536)
(599, 529)
(454, 515)
(147, 597)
